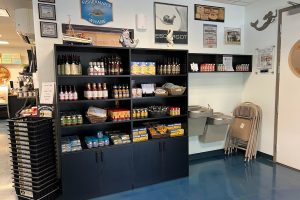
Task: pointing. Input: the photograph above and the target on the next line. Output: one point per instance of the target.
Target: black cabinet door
(147, 159)
(116, 169)
(80, 175)
(175, 158)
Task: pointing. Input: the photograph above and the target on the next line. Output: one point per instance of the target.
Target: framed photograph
(232, 36)
(47, 11)
(210, 33)
(100, 36)
(48, 29)
(171, 17)
(47, 1)
(209, 13)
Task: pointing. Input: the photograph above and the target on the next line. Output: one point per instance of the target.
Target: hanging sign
(96, 11)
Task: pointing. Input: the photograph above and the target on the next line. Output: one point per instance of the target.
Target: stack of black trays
(33, 158)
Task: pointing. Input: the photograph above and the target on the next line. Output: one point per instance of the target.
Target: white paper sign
(227, 62)
(47, 95)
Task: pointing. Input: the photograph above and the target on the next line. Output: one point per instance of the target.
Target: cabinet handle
(159, 145)
(164, 146)
(101, 156)
(96, 156)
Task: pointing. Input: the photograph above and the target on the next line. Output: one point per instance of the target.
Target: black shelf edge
(118, 145)
(171, 75)
(96, 76)
(219, 72)
(159, 97)
(93, 100)
(158, 118)
(95, 124)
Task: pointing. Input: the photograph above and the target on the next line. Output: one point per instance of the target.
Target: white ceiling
(7, 25)
(235, 2)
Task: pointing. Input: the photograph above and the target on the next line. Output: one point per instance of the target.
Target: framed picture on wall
(232, 36)
(209, 13)
(171, 17)
(48, 29)
(47, 11)
(47, 1)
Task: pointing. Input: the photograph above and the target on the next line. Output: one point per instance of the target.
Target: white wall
(260, 89)
(225, 86)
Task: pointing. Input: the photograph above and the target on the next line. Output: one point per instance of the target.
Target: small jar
(74, 120)
(62, 121)
(134, 114)
(79, 119)
(68, 121)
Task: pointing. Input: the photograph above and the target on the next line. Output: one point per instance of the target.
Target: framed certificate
(47, 11)
(48, 29)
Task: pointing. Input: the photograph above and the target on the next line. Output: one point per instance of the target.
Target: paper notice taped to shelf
(227, 62)
(47, 95)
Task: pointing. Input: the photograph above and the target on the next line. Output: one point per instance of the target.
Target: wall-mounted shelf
(237, 59)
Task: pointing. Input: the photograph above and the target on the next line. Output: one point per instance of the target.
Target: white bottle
(90, 69)
(67, 68)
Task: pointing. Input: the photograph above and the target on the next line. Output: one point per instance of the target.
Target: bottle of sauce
(104, 91)
(90, 71)
(58, 65)
(127, 91)
(88, 91)
(66, 94)
(75, 94)
(61, 94)
(115, 92)
(70, 93)
(94, 91)
(99, 91)
(68, 66)
(120, 91)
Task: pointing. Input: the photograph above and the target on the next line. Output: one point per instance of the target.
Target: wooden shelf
(96, 124)
(93, 101)
(158, 118)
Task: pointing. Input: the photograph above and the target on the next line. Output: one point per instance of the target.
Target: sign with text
(171, 17)
(97, 11)
(47, 95)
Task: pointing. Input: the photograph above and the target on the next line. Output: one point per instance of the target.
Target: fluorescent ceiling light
(3, 13)
(3, 42)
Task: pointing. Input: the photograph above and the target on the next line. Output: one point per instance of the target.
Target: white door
(288, 135)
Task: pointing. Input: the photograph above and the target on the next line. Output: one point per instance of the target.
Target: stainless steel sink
(219, 119)
(197, 119)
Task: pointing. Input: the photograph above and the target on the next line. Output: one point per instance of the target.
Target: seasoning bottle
(79, 66)
(88, 91)
(120, 91)
(61, 94)
(66, 94)
(90, 71)
(58, 65)
(68, 66)
(73, 66)
(99, 91)
(104, 91)
(75, 94)
(115, 92)
(70, 93)
(94, 91)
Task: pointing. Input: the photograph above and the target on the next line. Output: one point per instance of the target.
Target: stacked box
(33, 157)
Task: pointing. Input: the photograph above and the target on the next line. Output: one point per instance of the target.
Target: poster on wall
(210, 36)
(209, 13)
(265, 60)
(232, 36)
(171, 17)
(97, 12)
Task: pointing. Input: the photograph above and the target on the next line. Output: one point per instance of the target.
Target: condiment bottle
(66, 94)
(115, 92)
(68, 66)
(61, 94)
(70, 93)
(104, 91)
(120, 91)
(90, 69)
(75, 94)
(99, 91)
(88, 91)
(94, 91)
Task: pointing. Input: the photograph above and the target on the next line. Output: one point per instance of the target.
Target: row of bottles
(68, 93)
(170, 66)
(69, 65)
(96, 91)
(106, 66)
(120, 91)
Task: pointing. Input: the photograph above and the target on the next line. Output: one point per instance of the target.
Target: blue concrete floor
(224, 179)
